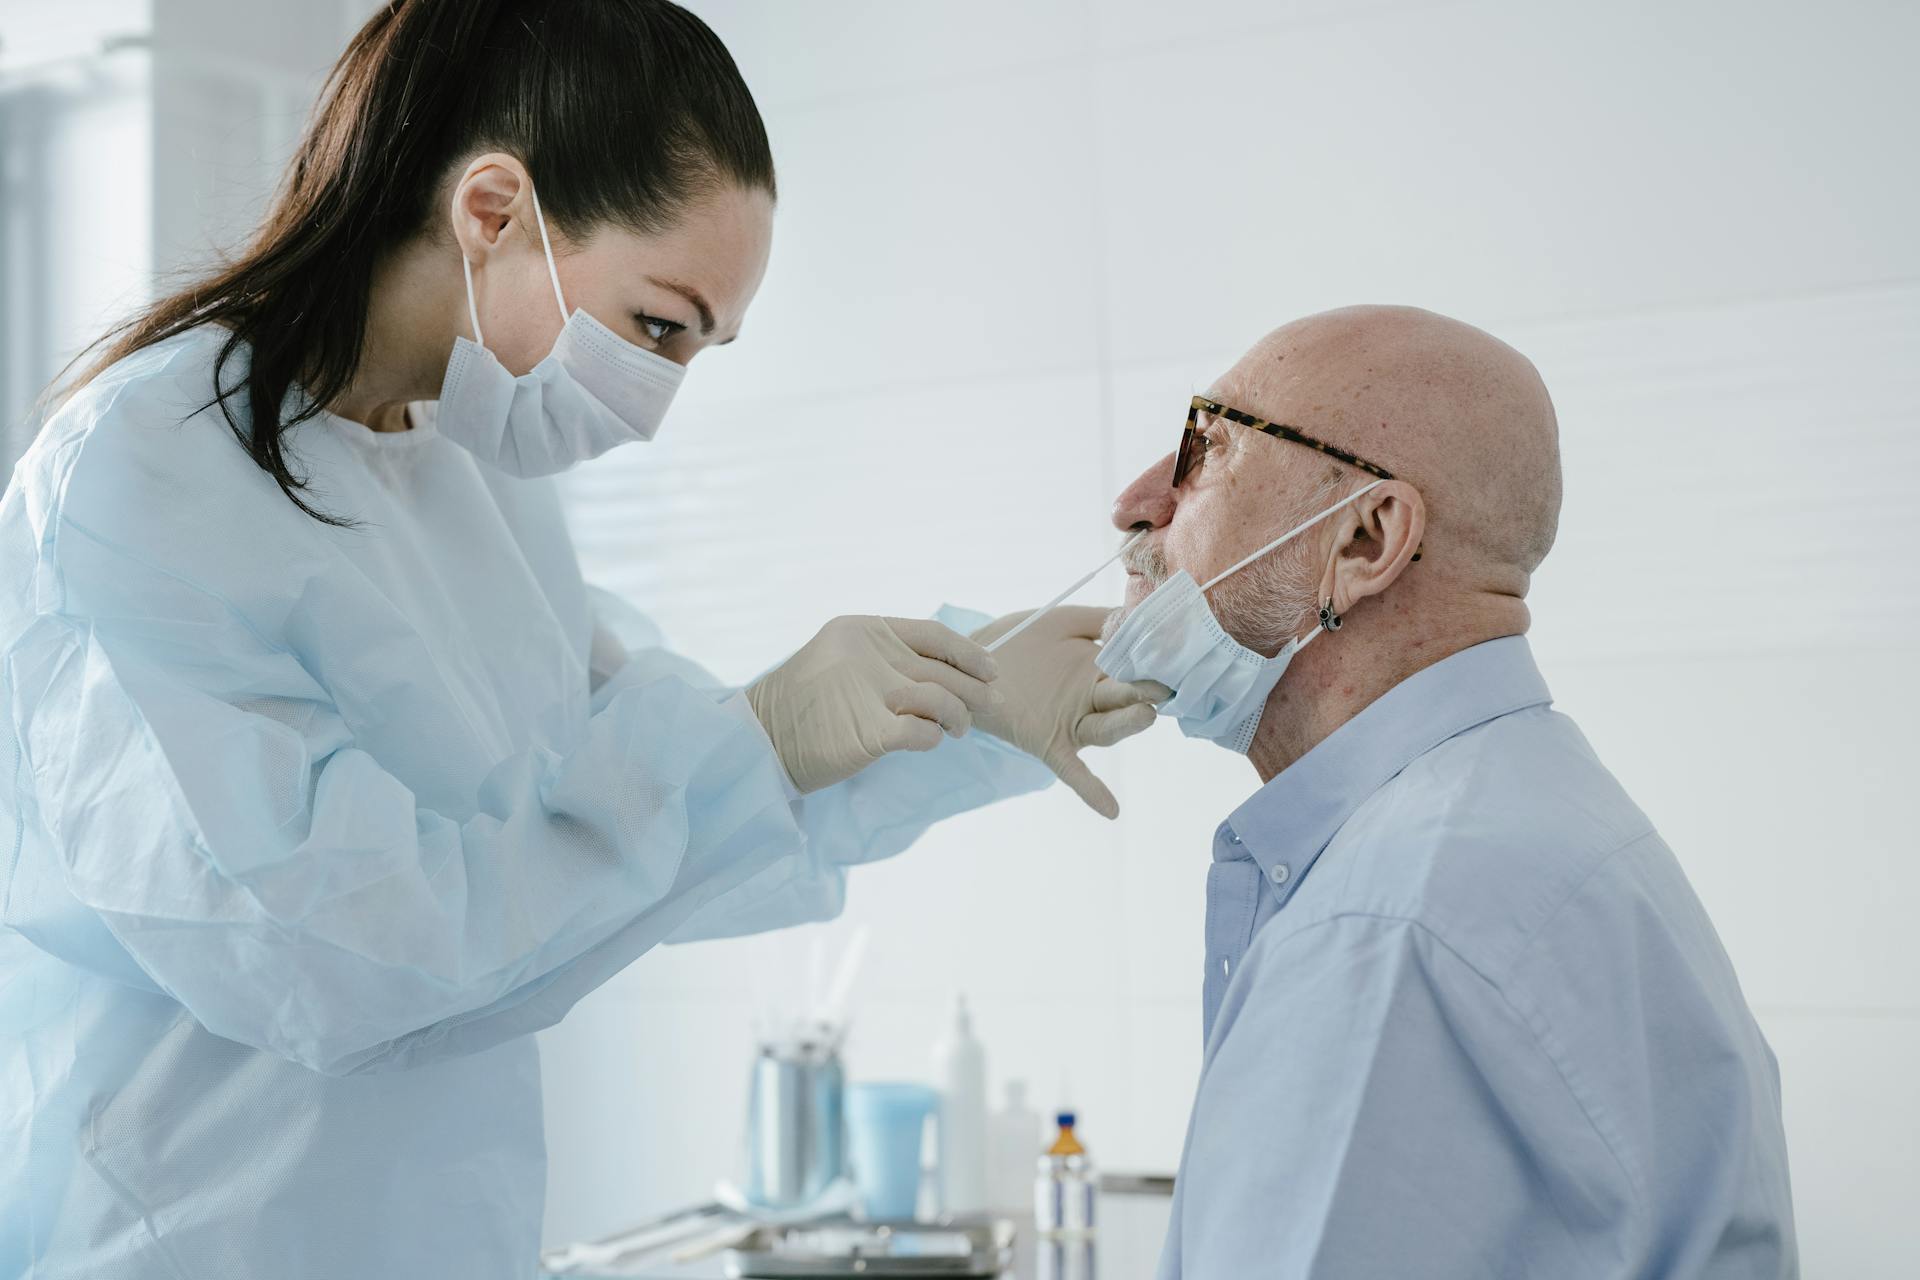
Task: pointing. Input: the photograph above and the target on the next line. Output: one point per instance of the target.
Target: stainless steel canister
(796, 1122)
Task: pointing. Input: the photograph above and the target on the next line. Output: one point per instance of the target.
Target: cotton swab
(1050, 605)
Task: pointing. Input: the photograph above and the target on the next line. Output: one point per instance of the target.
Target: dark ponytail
(624, 111)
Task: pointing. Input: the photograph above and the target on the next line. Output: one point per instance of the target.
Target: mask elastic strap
(473, 312)
(1050, 605)
(1290, 534)
(553, 272)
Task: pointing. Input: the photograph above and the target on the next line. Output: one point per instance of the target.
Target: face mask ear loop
(553, 272)
(473, 312)
(1289, 535)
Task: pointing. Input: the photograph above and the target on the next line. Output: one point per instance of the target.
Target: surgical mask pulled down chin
(594, 390)
(1219, 685)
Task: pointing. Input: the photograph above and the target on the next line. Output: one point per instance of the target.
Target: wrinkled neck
(1333, 681)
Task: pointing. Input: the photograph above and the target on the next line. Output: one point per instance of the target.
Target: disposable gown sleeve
(207, 802)
(873, 815)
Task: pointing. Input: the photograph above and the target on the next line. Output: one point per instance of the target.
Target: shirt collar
(1298, 812)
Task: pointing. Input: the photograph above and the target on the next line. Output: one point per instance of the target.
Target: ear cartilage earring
(1329, 620)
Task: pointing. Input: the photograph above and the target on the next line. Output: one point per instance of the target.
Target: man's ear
(487, 197)
(1378, 540)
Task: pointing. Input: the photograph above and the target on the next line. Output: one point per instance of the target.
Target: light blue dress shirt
(1465, 1017)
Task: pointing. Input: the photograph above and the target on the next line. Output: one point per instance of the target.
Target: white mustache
(1146, 560)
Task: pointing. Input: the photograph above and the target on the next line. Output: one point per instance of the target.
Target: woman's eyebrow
(692, 295)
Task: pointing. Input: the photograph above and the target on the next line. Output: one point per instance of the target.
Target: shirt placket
(1233, 902)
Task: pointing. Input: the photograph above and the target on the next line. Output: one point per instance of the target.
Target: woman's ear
(487, 197)
(1382, 538)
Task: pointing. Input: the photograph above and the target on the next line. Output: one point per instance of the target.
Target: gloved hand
(864, 687)
(1058, 702)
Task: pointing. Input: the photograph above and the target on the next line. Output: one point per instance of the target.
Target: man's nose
(1147, 503)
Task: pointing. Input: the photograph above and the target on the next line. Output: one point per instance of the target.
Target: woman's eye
(657, 329)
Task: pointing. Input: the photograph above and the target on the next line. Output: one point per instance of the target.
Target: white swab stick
(1050, 605)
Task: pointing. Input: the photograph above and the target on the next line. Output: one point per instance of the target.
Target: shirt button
(1233, 837)
(1278, 873)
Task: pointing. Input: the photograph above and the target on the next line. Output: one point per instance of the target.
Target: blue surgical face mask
(1220, 687)
(593, 391)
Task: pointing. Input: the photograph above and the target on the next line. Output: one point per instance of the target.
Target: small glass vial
(1064, 1187)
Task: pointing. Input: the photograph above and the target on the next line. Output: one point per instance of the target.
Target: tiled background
(1015, 236)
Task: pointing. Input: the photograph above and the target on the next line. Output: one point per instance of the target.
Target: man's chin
(1114, 619)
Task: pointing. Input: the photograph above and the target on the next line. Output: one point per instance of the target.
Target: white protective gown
(307, 829)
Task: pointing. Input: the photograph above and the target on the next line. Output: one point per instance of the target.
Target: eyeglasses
(1193, 443)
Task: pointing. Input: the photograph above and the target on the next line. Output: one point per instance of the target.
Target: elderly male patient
(1464, 1015)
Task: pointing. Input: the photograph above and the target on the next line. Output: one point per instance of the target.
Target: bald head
(1412, 569)
(1453, 410)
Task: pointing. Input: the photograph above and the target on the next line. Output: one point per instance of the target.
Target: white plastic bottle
(1012, 1133)
(960, 1073)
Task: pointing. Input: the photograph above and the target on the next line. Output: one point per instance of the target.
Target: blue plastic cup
(884, 1124)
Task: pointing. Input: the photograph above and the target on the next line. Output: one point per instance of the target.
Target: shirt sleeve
(195, 788)
(873, 815)
(1372, 1106)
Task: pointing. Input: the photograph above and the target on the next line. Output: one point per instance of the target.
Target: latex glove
(1058, 702)
(864, 687)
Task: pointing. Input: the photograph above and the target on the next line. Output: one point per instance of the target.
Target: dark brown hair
(624, 111)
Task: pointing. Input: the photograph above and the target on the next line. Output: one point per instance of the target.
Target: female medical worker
(327, 780)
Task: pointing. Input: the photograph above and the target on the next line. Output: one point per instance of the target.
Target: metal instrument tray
(843, 1247)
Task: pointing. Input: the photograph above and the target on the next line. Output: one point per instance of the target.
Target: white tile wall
(736, 527)
(1766, 441)
(1852, 1114)
(1015, 237)
(1500, 160)
(928, 238)
(1780, 780)
(796, 55)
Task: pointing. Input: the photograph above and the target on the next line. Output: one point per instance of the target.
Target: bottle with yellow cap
(1064, 1186)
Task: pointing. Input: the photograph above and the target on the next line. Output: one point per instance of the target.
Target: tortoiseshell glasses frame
(1193, 443)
